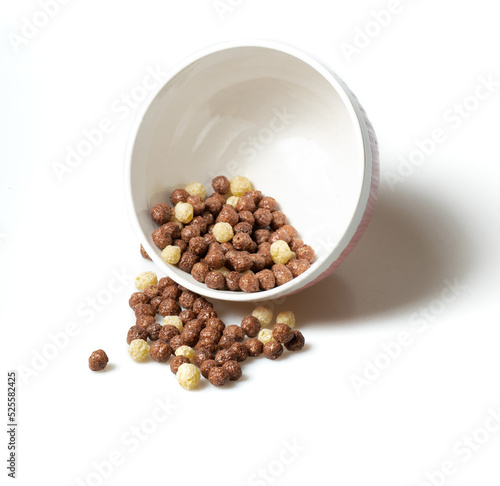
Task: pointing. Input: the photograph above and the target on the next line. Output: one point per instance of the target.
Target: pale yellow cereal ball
(171, 254)
(196, 189)
(173, 219)
(265, 336)
(222, 232)
(186, 351)
(139, 349)
(223, 270)
(264, 315)
(287, 317)
(233, 200)
(280, 252)
(175, 321)
(144, 279)
(184, 212)
(188, 376)
(239, 185)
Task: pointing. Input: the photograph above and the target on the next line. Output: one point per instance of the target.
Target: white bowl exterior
(277, 116)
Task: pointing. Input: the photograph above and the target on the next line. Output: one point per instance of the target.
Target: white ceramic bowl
(276, 115)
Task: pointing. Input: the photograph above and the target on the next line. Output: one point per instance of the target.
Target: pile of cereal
(234, 239)
(193, 338)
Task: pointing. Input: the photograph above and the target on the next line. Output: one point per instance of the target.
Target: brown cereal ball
(279, 219)
(203, 355)
(246, 217)
(255, 195)
(169, 307)
(298, 267)
(282, 274)
(145, 321)
(187, 315)
(290, 230)
(259, 262)
(206, 366)
(240, 351)
(188, 259)
(194, 324)
(263, 217)
(296, 343)
(152, 291)
(243, 227)
(161, 213)
(161, 238)
(215, 280)
(209, 238)
(273, 350)
(295, 244)
(228, 215)
(98, 360)
(233, 281)
(201, 303)
(225, 247)
(213, 205)
(144, 253)
(305, 252)
(176, 342)
(205, 314)
(197, 203)
(189, 232)
(226, 342)
(220, 184)
(208, 217)
(187, 299)
(167, 332)
(200, 271)
(251, 326)
(165, 282)
(144, 310)
(153, 331)
(190, 337)
(179, 195)
(268, 203)
(176, 362)
(218, 376)
(278, 235)
(261, 235)
(138, 298)
(246, 203)
(211, 334)
(264, 249)
(225, 355)
(171, 292)
(201, 222)
(241, 261)
(254, 347)
(235, 332)
(249, 283)
(160, 351)
(172, 229)
(282, 333)
(204, 345)
(216, 323)
(198, 245)
(266, 279)
(243, 241)
(215, 258)
(233, 369)
(136, 332)
(181, 244)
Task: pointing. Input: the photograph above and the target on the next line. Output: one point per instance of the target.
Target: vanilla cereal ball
(171, 254)
(184, 212)
(144, 279)
(139, 349)
(223, 270)
(186, 351)
(222, 232)
(175, 321)
(287, 317)
(232, 200)
(239, 185)
(188, 376)
(196, 189)
(280, 252)
(264, 315)
(265, 336)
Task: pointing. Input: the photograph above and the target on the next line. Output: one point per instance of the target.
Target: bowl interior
(265, 114)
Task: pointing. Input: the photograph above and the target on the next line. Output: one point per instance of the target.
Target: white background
(61, 242)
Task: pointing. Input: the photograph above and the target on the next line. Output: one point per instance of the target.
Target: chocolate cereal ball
(179, 195)
(160, 351)
(240, 351)
(98, 360)
(210, 334)
(161, 238)
(254, 347)
(167, 332)
(242, 227)
(190, 337)
(225, 355)
(298, 267)
(215, 280)
(213, 205)
(228, 215)
(251, 326)
(152, 291)
(204, 345)
(261, 235)
(201, 303)
(295, 244)
(266, 279)
(203, 355)
(145, 321)
(273, 350)
(198, 245)
(144, 253)
(233, 281)
(305, 252)
(206, 366)
(189, 232)
(246, 217)
(176, 362)
(153, 331)
(249, 283)
(206, 314)
(246, 203)
(218, 376)
(162, 213)
(282, 333)
(197, 203)
(187, 315)
(171, 292)
(165, 282)
(138, 298)
(216, 323)
(296, 343)
(200, 271)
(188, 259)
(233, 369)
(234, 331)
(169, 307)
(263, 217)
(243, 241)
(144, 310)
(279, 219)
(220, 184)
(281, 273)
(259, 262)
(187, 299)
(176, 342)
(268, 203)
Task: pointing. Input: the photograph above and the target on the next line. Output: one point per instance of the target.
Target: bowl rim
(356, 115)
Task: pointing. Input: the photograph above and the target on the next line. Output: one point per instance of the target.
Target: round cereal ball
(196, 189)
(223, 232)
(144, 253)
(215, 258)
(154, 331)
(215, 280)
(181, 244)
(255, 195)
(280, 252)
(190, 337)
(98, 360)
(261, 235)
(263, 217)
(144, 310)
(218, 376)
(264, 314)
(186, 351)
(201, 303)
(240, 351)
(167, 332)
(204, 345)
(239, 185)
(172, 229)
(189, 232)
(161, 238)
(279, 219)
(138, 349)
(184, 212)
(259, 262)
(281, 274)
(138, 298)
(152, 291)
(286, 317)
(249, 283)
(171, 254)
(251, 326)
(295, 244)
(254, 347)
(292, 232)
(265, 336)
(174, 321)
(165, 282)
(228, 215)
(243, 241)
(200, 271)
(206, 366)
(198, 205)
(188, 259)
(187, 299)
(187, 315)
(305, 252)
(235, 332)
(221, 184)
(240, 260)
(243, 227)
(298, 267)
(211, 333)
(226, 342)
(169, 307)
(213, 205)
(232, 201)
(296, 343)
(188, 376)
(282, 333)
(176, 342)
(198, 245)
(144, 321)
(160, 351)
(177, 361)
(268, 203)
(233, 369)
(233, 281)
(179, 195)
(246, 203)
(161, 213)
(172, 292)
(273, 350)
(144, 279)
(225, 355)
(203, 355)
(216, 323)
(266, 279)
